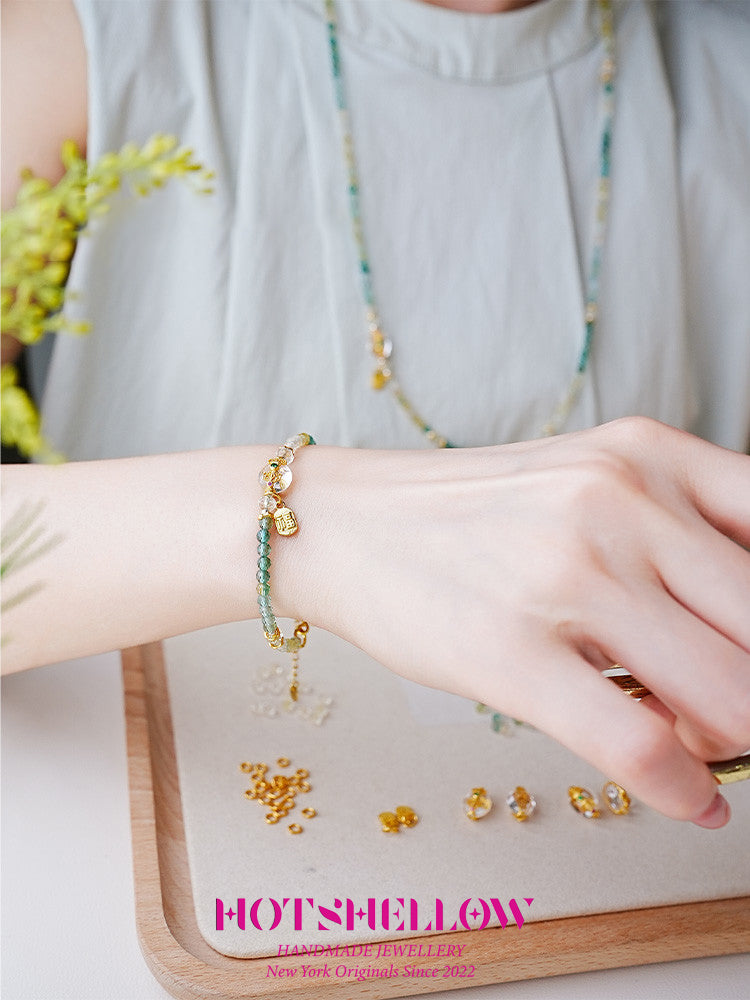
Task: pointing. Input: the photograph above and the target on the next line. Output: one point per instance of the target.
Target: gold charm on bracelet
(285, 521)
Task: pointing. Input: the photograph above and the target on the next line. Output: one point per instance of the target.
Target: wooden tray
(187, 967)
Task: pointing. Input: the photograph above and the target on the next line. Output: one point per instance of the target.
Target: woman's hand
(513, 575)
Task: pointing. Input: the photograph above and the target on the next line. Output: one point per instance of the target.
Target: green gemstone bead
(262, 576)
(264, 562)
(263, 535)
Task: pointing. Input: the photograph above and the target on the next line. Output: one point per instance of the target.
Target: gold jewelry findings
(406, 816)
(277, 792)
(276, 478)
(521, 803)
(616, 798)
(584, 802)
(478, 804)
(389, 822)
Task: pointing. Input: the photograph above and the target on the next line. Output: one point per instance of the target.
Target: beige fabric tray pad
(386, 742)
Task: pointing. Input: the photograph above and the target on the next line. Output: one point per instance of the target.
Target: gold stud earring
(616, 798)
(521, 803)
(584, 802)
(478, 804)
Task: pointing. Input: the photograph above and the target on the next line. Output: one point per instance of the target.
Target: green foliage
(24, 538)
(38, 239)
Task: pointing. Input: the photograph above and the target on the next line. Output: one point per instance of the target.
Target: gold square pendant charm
(285, 521)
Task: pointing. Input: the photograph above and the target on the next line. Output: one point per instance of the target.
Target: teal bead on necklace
(383, 375)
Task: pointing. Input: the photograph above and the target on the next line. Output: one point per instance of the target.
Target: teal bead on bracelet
(276, 478)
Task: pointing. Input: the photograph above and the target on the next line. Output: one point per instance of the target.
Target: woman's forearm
(139, 549)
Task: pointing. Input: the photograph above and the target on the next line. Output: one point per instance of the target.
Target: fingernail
(716, 815)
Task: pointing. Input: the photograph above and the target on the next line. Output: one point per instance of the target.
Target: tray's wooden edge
(189, 968)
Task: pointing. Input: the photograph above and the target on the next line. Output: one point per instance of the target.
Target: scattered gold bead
(616, 798)
(389, 822)
(521, 803)
(406, 816)
(478, 804)
(309, 812)
(295, 828)
(584, 802)
(278, 791)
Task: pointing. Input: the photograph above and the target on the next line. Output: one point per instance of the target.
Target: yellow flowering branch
(38, 239)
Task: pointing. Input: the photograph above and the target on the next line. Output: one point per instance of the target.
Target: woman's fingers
(694, 739)
(699, 674)
(717, 483)
(705, 571)
(626, 741)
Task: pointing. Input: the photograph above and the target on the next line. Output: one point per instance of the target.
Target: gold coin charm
(285, 521)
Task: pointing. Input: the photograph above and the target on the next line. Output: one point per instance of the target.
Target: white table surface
(68, 929)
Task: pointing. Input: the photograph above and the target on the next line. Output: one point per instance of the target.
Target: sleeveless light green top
(237, 317)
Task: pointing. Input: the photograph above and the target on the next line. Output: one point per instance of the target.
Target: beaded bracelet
(276, 478)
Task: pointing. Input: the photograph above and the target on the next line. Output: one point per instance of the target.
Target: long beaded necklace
(381, 347)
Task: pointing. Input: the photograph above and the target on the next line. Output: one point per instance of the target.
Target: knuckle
(646, 750)
(637, 434)
(598, 488)
(736, 726)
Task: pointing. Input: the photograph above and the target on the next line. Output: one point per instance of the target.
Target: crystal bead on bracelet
(276, 478)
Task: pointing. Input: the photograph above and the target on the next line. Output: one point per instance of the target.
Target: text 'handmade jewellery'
(380, 346)
(276, 478)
